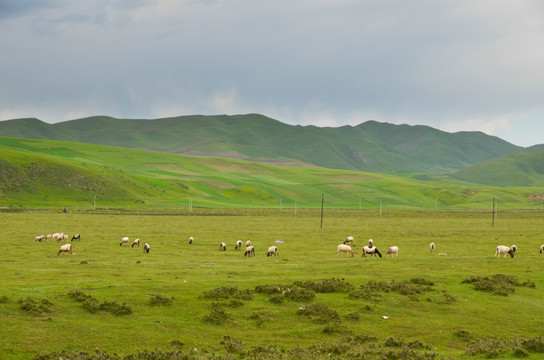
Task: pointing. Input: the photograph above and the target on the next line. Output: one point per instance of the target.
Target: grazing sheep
(541, 249)
(76, 237)
(136, 243)
(191, 240)
(393, 250)
(345, 248)
(371, 251)
(248, 243)
(146, 248)
(65, 248)
(48, 237)
(238, 245)
(124, 241)
(64, 237)
(250, 250)
(222, 247)
(40, 238)
(431, 247)
(514, 248)
(501, 249)
(57, 236)
(370, 243)
(349, 239)
(273, 251)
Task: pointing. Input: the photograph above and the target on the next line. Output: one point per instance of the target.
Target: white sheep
(222, 247)
(514, 248)
(124, 241)
(40, 238)
(431, 246)
(146, 248)
(501, 249)
(48, 237)
(65, 248)
(273, 251)
(238, 245)
(76, 237)
(370, 243)
(248, 243)
(371, 251)
(349, 239)
(541, 249)
(136, 243)
(393, 250)
(250, 250)
(344, 248)
(57, 236)
(64, 237)
(191, 240)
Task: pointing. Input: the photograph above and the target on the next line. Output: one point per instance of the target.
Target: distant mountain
(370, 146)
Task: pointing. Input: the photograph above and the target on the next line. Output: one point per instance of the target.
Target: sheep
(124, 241)
(64, 237)
(146, 248)
(393, 250)
(191, 240)
(250, 250)
(370, 243)
(345, 248)
(76, 237)
(541, 249)
(431, 247)
(371, 251)
(501, 249)
(273, 251)
(136, 243)
(40, 238)
(514, 248)
(248, 243)
(57, 236)
(65, 248)
(48, 237)
(238, 245)
(349, 239)
(222, 247)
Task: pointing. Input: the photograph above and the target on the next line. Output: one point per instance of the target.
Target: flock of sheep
(369, 249)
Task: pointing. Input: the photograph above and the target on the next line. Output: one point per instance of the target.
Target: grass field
(429, 310)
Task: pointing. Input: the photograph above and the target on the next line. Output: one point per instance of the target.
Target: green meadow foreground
(308, 302)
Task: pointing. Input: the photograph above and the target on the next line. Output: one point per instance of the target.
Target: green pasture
(448, 319)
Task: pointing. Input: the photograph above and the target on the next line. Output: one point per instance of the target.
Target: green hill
(371, 146)
(48, 173)
(524, 168)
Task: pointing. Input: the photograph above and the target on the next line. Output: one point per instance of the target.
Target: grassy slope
(101, 268)
(371, 146)
(136, 177)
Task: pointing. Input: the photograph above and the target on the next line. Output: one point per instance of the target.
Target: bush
(35, 306)
(319, 313)
(92, 304)
(498, 284)
(326, 286)
(227, 293)
(4, 299)
(158, 299)
(217, 316)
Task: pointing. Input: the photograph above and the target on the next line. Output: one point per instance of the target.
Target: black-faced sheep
(501, 249)
(431, 246)
(136, 243)
(344, 248)
(191, 240)
(393, 250)
(222, 247)
(146, 248)
(124, 241)
(349, 239)
(272, 251)
(371, 251)
(65, 248)
(238, 245)
(76, 237)
(250, 250)
(514, 248)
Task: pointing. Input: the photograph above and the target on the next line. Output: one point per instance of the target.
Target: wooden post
(322, 201)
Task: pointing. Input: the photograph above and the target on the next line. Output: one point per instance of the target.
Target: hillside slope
(371, 146)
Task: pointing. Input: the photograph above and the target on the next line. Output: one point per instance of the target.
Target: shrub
(326, 286)
(35, 306)
(227, 293)
(498, 284)
(217, 316)
(319, 313)
(158, 299)
(4, 299)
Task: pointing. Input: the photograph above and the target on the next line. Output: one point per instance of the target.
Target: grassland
(57, 174)
(447, 319)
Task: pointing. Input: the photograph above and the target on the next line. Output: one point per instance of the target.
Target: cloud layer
(453, 65)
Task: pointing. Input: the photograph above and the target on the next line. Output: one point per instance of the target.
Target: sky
(454, 65)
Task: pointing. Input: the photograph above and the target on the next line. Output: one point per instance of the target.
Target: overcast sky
(453, 65)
